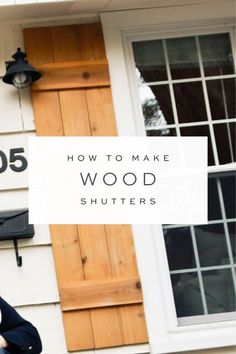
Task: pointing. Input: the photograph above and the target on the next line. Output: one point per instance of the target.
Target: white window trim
(119, 28)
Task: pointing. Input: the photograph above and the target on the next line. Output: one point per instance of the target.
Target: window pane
(228, 185)
(190, 102)
(214, 211)
(219, 290)
(221, 95)
(224, 143)
(179, 248)
(156, 105)
(217, 54)
(150, 60)
(187, 295)
(183, 57)
(161, 132)
(211, 244)
(200, 131)
(232, 234)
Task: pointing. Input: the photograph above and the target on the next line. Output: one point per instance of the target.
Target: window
(187, 87)
(172, 74)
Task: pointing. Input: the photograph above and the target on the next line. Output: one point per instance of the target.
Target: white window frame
(120, 28)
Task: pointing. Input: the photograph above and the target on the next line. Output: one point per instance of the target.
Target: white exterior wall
(32, 289)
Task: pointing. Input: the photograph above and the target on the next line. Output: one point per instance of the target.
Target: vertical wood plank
(67, 254)
(75, 112)
(101, 113)
(133, 324)
(47, 113)
(121, 250)
(78, 331)
(97, 266)
(38, 45)
(94, 252)
(106, 327)
(69, 269)
(91, 41)
(123, 262)
(65, 42)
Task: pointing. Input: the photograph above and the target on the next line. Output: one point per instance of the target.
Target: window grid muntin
(208, 108)
(171, 87)
(211, 123)
(226, 230)
(198, 267)
(202, 78)
(192, 124)
(194, 79)
(211, 222)
(203, 269)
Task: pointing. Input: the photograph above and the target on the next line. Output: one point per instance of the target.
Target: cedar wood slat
(85, 252)
(71, 75)
(101, 293)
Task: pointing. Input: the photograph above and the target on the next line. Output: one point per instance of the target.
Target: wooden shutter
(97, 275)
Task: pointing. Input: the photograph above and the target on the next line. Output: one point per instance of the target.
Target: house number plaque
(14, 161)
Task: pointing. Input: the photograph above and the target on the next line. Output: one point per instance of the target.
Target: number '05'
(17, 162)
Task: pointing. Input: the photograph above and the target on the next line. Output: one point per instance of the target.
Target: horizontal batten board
(41, 237)
(34, 282)
(101, 293)
(67, 75)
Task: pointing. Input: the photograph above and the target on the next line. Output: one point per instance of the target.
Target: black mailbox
(14, 225)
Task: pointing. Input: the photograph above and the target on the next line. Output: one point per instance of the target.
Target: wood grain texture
(106, 327)
(38, 45)
(71, 75)
(66, 43)
(47, 114)
(90, 260)
(67, 254)
(133, 324)
(74, 111)
(78, 332)
(120, 238)
(101, 293)
(96, 263)
(101, 113)
(132, 319)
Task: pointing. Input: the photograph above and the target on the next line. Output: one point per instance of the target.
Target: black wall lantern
(19, 73)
